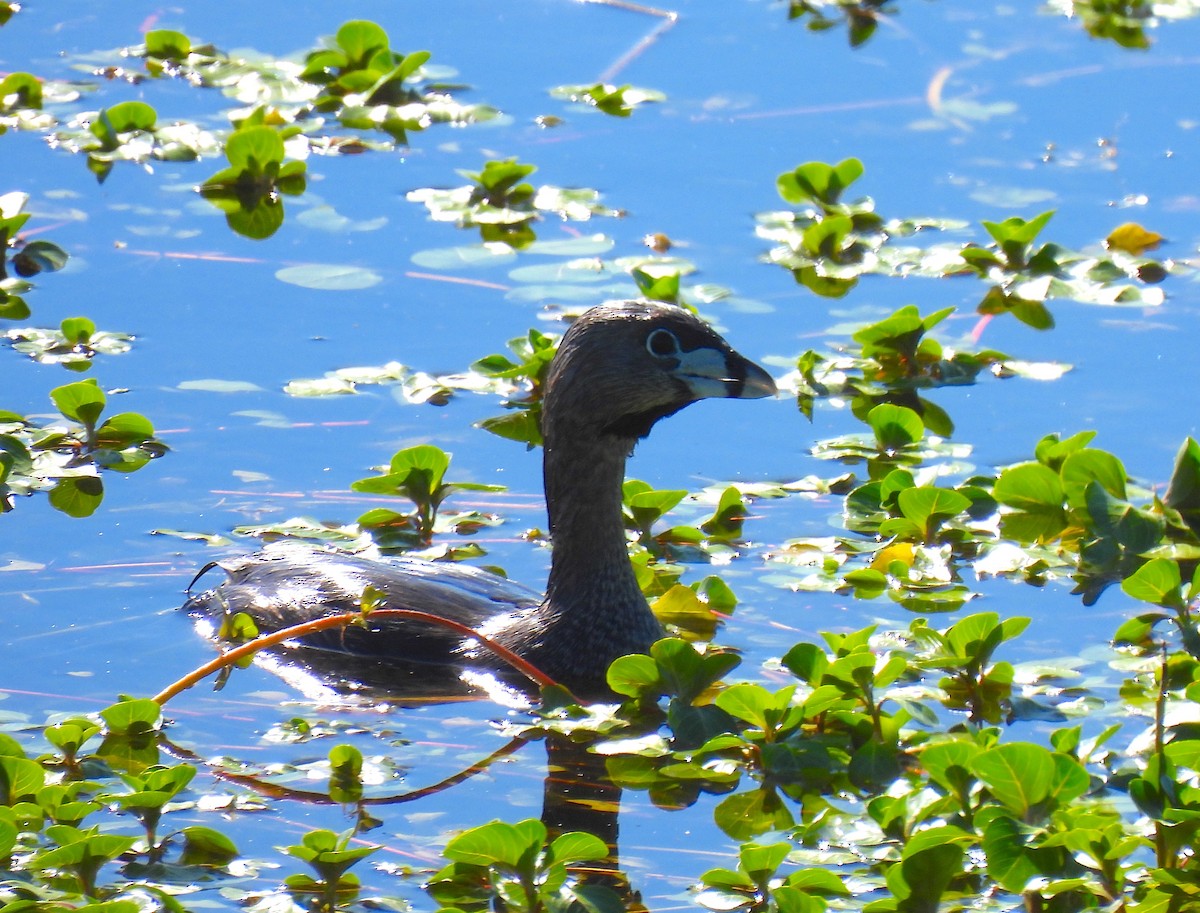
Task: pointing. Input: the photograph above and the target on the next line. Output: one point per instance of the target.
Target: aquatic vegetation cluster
(874, 762)
(828, 244)
(863, 718)
(65, 458)
(1123, 22)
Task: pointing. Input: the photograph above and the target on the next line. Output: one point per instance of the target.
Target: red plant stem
(340, 620)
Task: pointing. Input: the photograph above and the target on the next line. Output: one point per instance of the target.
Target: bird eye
(662, 343)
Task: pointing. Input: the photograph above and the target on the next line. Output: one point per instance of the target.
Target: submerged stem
(1163, 856)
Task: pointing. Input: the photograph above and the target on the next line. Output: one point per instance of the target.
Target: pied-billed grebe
(620, 368)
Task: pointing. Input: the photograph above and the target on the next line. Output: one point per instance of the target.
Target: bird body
(619, 368)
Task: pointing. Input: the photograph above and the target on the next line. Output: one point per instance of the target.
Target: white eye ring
(662, 344)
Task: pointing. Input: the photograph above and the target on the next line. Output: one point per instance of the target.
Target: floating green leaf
(620, 101)
(329, 277)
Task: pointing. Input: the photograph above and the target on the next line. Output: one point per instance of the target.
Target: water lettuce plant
(62, 459)
(356, 78)
(860, 17)
(619, 101)
(361, 63)
(417, 473)
(331, 857)
(504, 206)
(73, 345)
(1026, 274)
(25, 258)
(370, 86)
(1124, 22)
(249, 190)
(130, 132)
(517, 867)
(898, 356)
(65, 458)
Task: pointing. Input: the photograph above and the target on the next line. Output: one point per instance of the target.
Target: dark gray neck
(592, 592)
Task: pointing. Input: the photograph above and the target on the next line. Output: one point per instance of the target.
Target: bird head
(624, 365)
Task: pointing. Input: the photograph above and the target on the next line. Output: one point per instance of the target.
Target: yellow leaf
(1133, 239)
(682, 608)
(897, 551)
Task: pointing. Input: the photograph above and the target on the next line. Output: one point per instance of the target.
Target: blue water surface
(957, 109)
